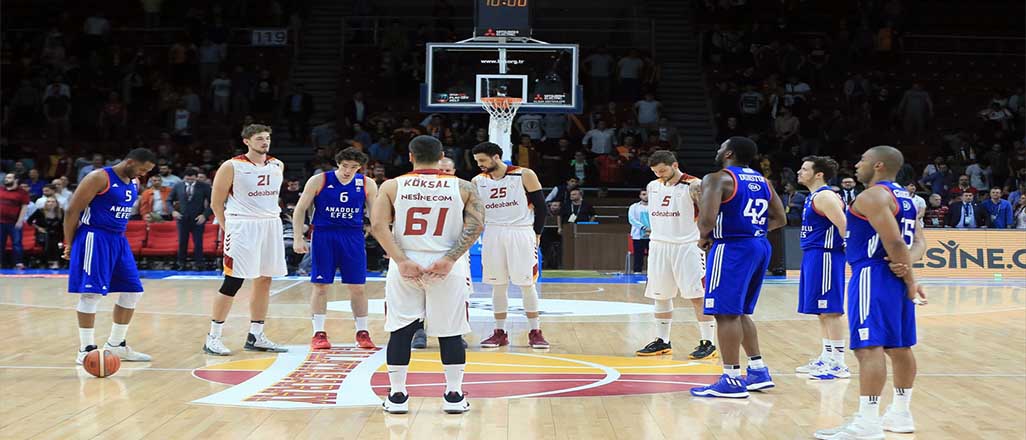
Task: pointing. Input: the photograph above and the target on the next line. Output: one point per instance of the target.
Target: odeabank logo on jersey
(346, 376)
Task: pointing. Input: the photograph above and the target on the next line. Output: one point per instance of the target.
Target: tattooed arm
(473, 224)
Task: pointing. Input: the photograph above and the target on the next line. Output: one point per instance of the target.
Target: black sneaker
(704, 350)
(455, 403)
(420, 339)
(396, 403)
(261, 343)
(656, 348)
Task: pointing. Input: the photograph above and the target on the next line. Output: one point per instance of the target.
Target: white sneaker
(854, 429)
(455, 403)
(396, 403)
(896, 420)
(126, 353)
(829, 371)
(261, 343)
(811, 366)
(80, 357)
(215, 347)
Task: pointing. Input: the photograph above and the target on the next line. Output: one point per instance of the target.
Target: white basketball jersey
(254, 191)
(428, 211)
(505, 199)
(672, 212)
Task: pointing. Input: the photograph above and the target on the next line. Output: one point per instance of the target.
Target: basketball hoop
(501, 110)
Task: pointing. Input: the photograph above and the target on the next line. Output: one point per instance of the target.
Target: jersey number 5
(417, 223)
(666, 201)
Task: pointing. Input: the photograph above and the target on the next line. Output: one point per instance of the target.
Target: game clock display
(502, 18)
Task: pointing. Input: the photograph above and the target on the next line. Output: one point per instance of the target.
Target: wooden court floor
(972, 365)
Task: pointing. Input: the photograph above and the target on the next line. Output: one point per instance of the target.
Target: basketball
(101, 363)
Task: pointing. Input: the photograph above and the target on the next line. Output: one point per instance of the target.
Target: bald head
(881, 162)
(447, 166)
(892, 158)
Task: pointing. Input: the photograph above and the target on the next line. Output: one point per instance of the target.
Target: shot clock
(502, 18)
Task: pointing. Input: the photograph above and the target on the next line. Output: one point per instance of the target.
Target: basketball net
(501, 110)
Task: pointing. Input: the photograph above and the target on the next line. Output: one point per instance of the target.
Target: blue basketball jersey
(818, 232)
(340, 206)
(864, 243)
(112, 207)
(745, 213)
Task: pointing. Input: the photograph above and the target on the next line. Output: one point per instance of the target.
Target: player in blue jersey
(821, 287)
(738, 207)
(883, 242)
(339, 199)
(101, 260)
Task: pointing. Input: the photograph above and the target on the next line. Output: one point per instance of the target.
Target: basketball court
(972, 381)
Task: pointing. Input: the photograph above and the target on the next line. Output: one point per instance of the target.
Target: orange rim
(501, 101)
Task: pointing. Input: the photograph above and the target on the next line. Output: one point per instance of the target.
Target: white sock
(663, 325)
(902, 398)
(732, 371)
(215, 328)
(397, 378)
(361, 323)
(318, 322)
(838, 350)
(85, 337)
(500, 324)
(869, 408)
(256, 328)
(117, 334)
(707, 329)
(454, 378)
(826, 353)
(535, 323)
(756, 362)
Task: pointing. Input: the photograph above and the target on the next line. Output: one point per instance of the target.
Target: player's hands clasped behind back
(411, 271)
(439, 269)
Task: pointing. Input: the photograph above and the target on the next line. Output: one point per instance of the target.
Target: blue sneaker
(759, 379)
(725, 387)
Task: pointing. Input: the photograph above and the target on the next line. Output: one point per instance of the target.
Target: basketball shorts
(253, 248)
(675, 268)
(338, 250)
(879, 311)
(442, 304)
(821, 286)
(102, 262)
(509, 254)
(734, 274)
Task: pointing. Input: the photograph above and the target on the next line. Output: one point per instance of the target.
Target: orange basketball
(101, 363)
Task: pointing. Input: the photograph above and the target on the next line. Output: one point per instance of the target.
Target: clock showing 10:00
(507, 3)
(502, 18)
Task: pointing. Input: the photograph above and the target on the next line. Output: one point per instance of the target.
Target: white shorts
(253, 248)
(675, 268)
(442, 305)
(509, 255)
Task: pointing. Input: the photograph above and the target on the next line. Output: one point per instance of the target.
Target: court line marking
(282, 289)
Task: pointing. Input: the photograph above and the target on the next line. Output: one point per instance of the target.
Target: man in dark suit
(299, 106)
(848, 191)
(356, 110)
(967, 214)
(191, 201)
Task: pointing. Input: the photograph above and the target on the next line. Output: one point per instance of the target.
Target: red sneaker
(363, 340)
(498, 339)
(320, 341)
(536, 340)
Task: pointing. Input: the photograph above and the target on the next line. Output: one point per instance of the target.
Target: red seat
(136, 235)
(161, 240)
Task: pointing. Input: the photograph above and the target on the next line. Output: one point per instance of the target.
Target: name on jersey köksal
(420, 183)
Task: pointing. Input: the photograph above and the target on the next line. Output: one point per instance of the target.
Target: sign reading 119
(507, 3)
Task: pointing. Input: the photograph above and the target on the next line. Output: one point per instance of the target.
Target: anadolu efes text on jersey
(339, 205)
(428, 211)
(745, 213)
(112, 207)
(863, 243)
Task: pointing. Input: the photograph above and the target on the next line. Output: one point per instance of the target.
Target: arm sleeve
(538, 200)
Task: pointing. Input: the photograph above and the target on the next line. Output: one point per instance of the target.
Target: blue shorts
(102, 262)
(335, 250)
(879, 311)
(821, 286)
(734, 271)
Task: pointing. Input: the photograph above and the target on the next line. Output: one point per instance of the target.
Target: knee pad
(452, 351)
(128, 300)
(88, 302)
(230, 286)
(500, 301)
(530, 298)
(663, 305)
(400, 342)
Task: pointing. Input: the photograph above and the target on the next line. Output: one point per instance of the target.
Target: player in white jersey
(514, 218)
(436, 217)
(676, 265)
(245, 203)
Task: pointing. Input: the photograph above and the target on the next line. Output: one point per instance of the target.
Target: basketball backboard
(458, 75)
